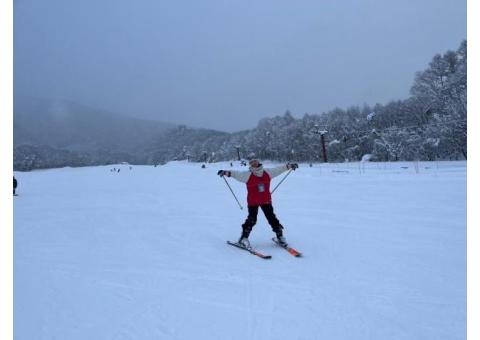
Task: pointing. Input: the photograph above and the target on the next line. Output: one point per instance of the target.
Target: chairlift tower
(238, 151)
(321, 131)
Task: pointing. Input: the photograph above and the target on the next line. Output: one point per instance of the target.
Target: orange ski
(287, 248)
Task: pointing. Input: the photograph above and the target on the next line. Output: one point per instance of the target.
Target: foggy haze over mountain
(225, 65)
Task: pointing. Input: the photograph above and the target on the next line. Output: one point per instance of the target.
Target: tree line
(430, 124)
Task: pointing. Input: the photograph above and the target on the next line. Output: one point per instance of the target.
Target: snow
(366, 158)
(333, 142)
(141, 254)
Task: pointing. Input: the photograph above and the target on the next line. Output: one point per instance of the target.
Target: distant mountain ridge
(54, 133)
(70, 126)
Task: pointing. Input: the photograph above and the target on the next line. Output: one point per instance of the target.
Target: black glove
(292, 166)
(222, 173)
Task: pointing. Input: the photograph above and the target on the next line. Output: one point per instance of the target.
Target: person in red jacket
(258, 180)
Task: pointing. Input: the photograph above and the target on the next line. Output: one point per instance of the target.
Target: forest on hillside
(431, 124)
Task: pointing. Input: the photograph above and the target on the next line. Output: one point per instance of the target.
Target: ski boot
(281, 239)
(244, 242)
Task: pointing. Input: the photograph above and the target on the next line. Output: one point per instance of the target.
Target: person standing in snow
(14, 185)
(258, 180)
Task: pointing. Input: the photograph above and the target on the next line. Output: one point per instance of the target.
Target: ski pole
(228, 185)
(288, 173)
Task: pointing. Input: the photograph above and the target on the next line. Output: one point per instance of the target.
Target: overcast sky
(227, 64)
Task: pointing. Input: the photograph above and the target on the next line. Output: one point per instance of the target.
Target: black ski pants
(252, 219)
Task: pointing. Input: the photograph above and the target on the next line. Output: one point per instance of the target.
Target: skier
(258, 195)
(14, 185)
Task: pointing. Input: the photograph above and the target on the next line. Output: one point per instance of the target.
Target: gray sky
(227, 64)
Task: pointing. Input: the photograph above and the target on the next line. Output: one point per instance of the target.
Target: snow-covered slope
(141, 254)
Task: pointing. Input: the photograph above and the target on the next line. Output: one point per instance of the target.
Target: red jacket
(258, 189)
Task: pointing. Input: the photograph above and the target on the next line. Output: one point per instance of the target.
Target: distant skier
(15, 183)
(258, 195)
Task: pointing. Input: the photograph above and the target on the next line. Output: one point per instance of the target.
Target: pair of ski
(290, 250)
